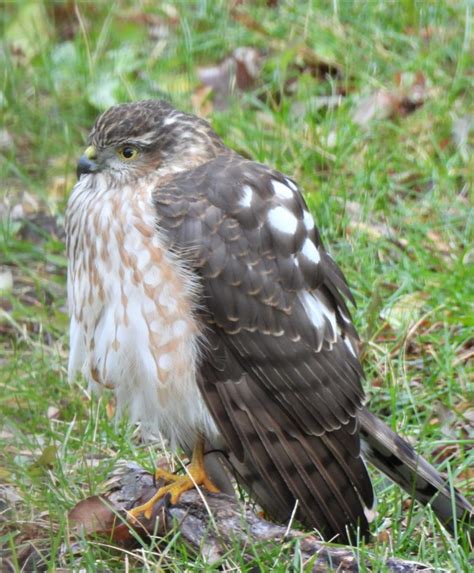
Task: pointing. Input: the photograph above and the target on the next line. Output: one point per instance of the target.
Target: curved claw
(196, 476)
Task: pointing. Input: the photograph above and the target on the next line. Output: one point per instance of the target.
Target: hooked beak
(86, 163)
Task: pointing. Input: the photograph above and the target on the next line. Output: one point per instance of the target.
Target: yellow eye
(127, 152)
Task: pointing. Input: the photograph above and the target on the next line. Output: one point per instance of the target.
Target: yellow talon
(195, 476)
(164, 475)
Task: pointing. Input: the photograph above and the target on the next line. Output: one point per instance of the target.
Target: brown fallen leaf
(239, 71)
(445, 452)
(409, 93)
(384, 536)
(92, 515)
(381, 104)
(412, 89)
(52, 413)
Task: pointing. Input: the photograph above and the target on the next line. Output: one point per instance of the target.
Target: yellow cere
(90, 152)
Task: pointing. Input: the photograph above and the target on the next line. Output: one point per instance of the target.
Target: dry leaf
(52, 413)
(456, 423)
(410, 92)
(92, 515)
(238, 71)
(383, 536)
(381, 104)
(445, 452)
(98, 515)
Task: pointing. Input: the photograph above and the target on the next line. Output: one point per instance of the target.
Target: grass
(392, 197)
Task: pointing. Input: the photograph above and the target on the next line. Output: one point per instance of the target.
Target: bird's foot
(196, 476)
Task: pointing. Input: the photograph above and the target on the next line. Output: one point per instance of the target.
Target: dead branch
(211, 524)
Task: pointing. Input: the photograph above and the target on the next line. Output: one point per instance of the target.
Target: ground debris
(239, 71)
(408, 94)
(210, 524)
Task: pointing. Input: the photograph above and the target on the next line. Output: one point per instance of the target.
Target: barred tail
(389, 453)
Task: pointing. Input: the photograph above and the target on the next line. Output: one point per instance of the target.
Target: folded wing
(279, 370)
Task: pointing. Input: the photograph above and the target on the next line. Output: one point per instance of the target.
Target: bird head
(134, 139)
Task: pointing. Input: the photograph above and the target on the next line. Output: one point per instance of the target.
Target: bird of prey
(200, 291)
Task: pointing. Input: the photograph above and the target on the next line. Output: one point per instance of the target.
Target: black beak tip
(84, 166)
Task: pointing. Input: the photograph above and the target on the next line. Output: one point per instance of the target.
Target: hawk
(200, 291)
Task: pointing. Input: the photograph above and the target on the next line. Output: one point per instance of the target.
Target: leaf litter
(237, 72)
(408, 94)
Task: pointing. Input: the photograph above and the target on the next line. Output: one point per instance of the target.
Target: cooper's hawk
(200, 291)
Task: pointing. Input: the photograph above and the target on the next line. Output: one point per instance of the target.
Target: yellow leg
(195, 476)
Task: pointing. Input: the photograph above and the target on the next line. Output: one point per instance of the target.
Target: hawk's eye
(127, 152)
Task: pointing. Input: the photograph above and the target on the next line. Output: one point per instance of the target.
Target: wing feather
(277, 375)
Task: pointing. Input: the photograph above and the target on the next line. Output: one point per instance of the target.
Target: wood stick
(212, 524)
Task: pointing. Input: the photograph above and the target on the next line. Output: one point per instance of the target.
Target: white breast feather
(131, 305)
